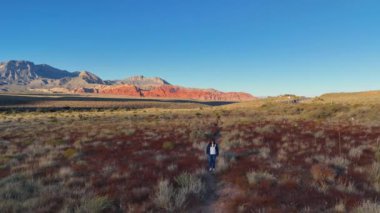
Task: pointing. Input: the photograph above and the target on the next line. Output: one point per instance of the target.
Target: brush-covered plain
(276, 156)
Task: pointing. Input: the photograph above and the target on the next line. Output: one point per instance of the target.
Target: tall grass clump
(374, 175)
(17, 192)
(367, 207)
(256, 177)
(95, 205)
(164, 195)
(173, 197)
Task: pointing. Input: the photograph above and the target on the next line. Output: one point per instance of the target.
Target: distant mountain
(23, 72)
(90, 77)
(141, 81)
(42, 76)
(27, 76)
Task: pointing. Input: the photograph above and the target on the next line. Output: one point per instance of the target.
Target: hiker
(212, 152)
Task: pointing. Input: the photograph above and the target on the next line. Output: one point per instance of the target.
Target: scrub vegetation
(276, 155)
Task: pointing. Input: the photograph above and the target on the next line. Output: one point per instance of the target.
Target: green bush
(168, 145)
(95, 205)
(69, 153)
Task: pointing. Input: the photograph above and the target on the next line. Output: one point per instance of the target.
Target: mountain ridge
(26, 76)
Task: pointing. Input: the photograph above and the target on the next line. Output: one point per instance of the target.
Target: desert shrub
(4, 161)
(367, 207)
(87, 204)
(69, 153)
(17, 187)
(357, 151)
(172, 167)
(340, 207)
(96, 205)
(189, 183)
(327, 111)
(168, 145)
(65, 172)
(266, 130)
(319, 134)
(377, 153)
(348, 187)
(19, 194)
(322, 173)
(197, 135)
(55, 142)
(256, 177)
(229, 144)
(129, 132)
(223, 164)
(264, 152)
(338, 162)
(374, 175)
(170, 197)
(164, 195)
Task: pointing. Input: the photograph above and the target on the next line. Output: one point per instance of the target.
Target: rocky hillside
(144, 82)
(43, 76)
(27, 76)
(168, 91)
(23, 72)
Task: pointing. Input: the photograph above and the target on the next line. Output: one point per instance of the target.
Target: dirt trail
(211, 196)
(218, 195)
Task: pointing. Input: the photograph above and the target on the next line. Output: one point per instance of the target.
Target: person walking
(212, 152)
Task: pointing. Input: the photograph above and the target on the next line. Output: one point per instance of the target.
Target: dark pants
(211, 161)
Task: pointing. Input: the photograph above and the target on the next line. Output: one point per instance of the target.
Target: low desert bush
(377, 153)
(18, 188)
(21, 194)
(223, 164)
(266, 130)
(348, 187)
(338, 162)
(256, 177)
(168, 145)
(374, 175)
(327, 111)
(264, 152)
(172, 167)
(189, 183)
(96, 204)
(319, 134)
(174, 197)
(65, 172)
(69, 153)
(367, 207)
(340, 207)
(323, 173)
(357, 151)
(164, 195)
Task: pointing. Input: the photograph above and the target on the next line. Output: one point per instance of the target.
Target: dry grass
(146, 160)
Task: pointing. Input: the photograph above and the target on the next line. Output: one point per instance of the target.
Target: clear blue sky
(265, 47)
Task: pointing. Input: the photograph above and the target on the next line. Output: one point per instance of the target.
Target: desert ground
(277, 154)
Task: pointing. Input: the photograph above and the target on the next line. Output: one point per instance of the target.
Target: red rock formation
(127, 90)
(169, 91)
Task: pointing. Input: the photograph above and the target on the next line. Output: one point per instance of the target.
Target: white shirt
(213, 150)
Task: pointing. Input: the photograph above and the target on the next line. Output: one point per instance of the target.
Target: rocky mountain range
(25, 76)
